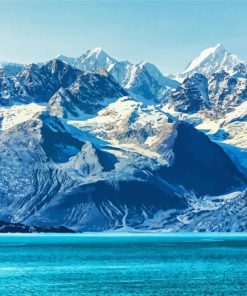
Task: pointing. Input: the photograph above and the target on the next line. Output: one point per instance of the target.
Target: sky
(167, 33)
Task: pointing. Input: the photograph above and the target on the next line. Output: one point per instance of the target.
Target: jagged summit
(94, 59)
(142, 79)
(97, 52)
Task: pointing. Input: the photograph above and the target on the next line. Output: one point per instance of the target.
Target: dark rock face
(89, 93)
(201, 165)
(41, 83)
(226, 90)
(58, 145)
(35, 83)
(219, 93)
(6, 227)
(192, 95)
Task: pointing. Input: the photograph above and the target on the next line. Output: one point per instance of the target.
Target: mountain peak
(214, 49)
(94, 59)
(56, 64)
(206, 53)
(96, 52)
(211, 60)
(97, 49)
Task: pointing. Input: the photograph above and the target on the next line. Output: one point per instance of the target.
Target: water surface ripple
(123, 264)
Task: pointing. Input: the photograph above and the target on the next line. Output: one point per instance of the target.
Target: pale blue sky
(167, 33)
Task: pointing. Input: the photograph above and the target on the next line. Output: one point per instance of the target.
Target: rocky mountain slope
(142, 80)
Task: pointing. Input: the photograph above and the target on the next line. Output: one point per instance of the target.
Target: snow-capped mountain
(60, 84)
(218, 94)
(90, 61)
(143, 80)
(94, 144)
(211, 60)
(95, 59)
(223, 118)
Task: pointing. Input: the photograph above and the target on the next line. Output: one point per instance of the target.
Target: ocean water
(123, 264)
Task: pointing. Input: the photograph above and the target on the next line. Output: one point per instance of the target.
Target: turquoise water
(187, 264)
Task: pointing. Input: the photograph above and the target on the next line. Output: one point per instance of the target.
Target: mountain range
(96, 144)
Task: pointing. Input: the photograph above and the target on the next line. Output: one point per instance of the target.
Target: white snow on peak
(154, 71)
(94, 59)
(203, 55)
(211, 60)
(150, 68)
(96, 50)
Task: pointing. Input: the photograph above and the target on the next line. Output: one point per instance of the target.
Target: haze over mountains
(93, 144)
